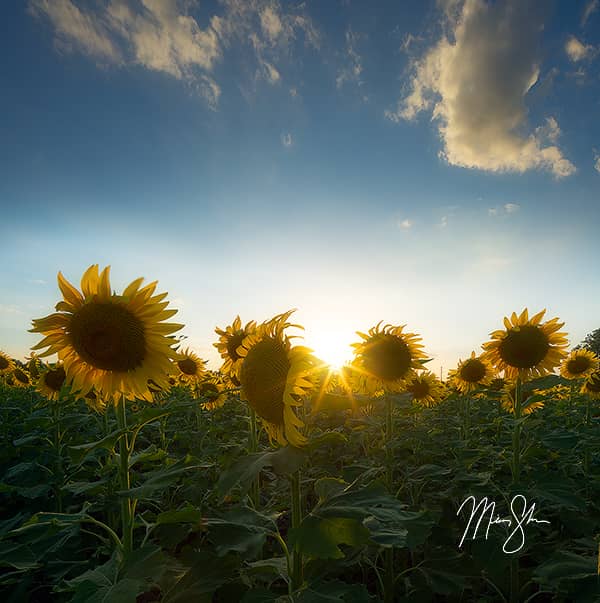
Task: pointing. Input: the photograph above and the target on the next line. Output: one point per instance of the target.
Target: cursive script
(522, 515)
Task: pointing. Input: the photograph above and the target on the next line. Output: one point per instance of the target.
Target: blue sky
(434, 164)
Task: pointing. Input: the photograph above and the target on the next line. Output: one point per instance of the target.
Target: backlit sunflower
(579, 364)
(21, 377)
(386, 358)
(472, 373)
(526, 348)
(426, 389)
(274, 377)
(230, 339)
(190, 366)
(111, 342)
(591, 385)
(527, 405)
(51, 381)
(95, 402)
(34, 366)
(6, 364)
(210, 391)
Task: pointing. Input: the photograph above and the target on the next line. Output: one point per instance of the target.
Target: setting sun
(333, 347)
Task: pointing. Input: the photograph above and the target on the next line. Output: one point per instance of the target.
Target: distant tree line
(591, 342)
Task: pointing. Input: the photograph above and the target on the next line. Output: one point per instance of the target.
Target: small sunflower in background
(426, 389)
(527, 347)
(20, 377)
(211, 391)
(527, 404)
(111, 342)
(6, 364)
(95, 402)
(591, 385)
(274, 377)
(472, 373)
(579, 364)
(387, 358)
(34, 366)
(190, 367)
(50, 382)
(230, 339)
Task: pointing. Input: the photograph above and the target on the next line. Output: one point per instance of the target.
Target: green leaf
(565, 566)
(187, 514)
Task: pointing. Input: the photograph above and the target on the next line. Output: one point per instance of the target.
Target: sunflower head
(528, 404)
(472, 373)
(387, 357)
(526, 347)
(51, 382)
(210, 391)
(21, 377)
(579, 364)
(190, 367)
(230, 339)
(426, 389)
(274, 377)
(6, 364)
(591, 385)
(111, 342)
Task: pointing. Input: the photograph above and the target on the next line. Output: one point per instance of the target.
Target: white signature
(522, 515)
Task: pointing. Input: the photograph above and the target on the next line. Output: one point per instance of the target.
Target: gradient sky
(434, 164)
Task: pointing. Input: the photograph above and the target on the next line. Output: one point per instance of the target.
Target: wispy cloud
(163, 36)
(507, 208)
(405, 224)
(10, 309)
(590, 7)
(577, 51)
(286, 140)
(352, 70)
(37, 281)
(475, 81)
(597, 161)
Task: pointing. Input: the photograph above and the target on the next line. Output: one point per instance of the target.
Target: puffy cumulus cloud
(577, 51)
(475, 80)
(162, 35)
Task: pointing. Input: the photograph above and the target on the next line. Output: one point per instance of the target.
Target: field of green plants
(213, 521)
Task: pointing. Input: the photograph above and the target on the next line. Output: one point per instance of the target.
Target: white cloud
(475, 81)
(161, 35)
(507, 208)
(37, 281)
(511, 208)
(286, 140)
(577, 51)
(405, 224)
(353, 68)
(590, 7)
(597, 162)
(443, 222)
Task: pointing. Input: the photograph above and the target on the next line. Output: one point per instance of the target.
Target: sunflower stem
(297, 577)
(58, 471)
(252, 448)
(586, 452)
(389, 553)
(516, 464)
(124, 478)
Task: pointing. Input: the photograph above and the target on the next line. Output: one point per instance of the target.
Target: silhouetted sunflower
(426, 389)
(51, 381)
(579, 364)
(21, 377)
(230, 339)
(6, 364)
(591, 385)
(191, 367)
(472, 373)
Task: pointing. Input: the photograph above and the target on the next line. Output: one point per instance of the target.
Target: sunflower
(95, 402)
(527, 348)
(274, 376)
(34, 366)
(51, 381)
(112, 342)
(386, 358)
(579, 364)
(211, 391)
(20, 377)
(190, 366)
(230, 339)
(426, 389)
(471, 373)
(591, 385)
(527, 405)
(6, 364)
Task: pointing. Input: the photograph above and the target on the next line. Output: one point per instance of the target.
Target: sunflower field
(132, 473)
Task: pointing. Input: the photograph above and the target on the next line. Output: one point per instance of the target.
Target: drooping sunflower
(426, 389)
(591, 385)
(34, 366)
(274, 377)
(6, 364)
(526, 348)
(111, 342)
(210, 390)
(20, 377)
(579, 364)
(528, 405)
(387, 357)
(95, 402)
(230, 339)
(190, 367)
(50, 382)
(472, 373)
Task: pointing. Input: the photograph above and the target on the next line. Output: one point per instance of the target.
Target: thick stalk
(126, 502)
(297, 577)
(516, 464)
(252, 448)
(389, 473)
(586, 452)
(58, 471)
(467, 408)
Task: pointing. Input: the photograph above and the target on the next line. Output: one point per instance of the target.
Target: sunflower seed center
(21, 376)
(187, 366)
(233, 343)
(108, 336)
(472, 371)
(55, 378)
(419, 389)
(524, 348)
(3, 363)
(387, 357)
(578, 365)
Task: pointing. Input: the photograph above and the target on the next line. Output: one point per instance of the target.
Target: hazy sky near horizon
(434, 164)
